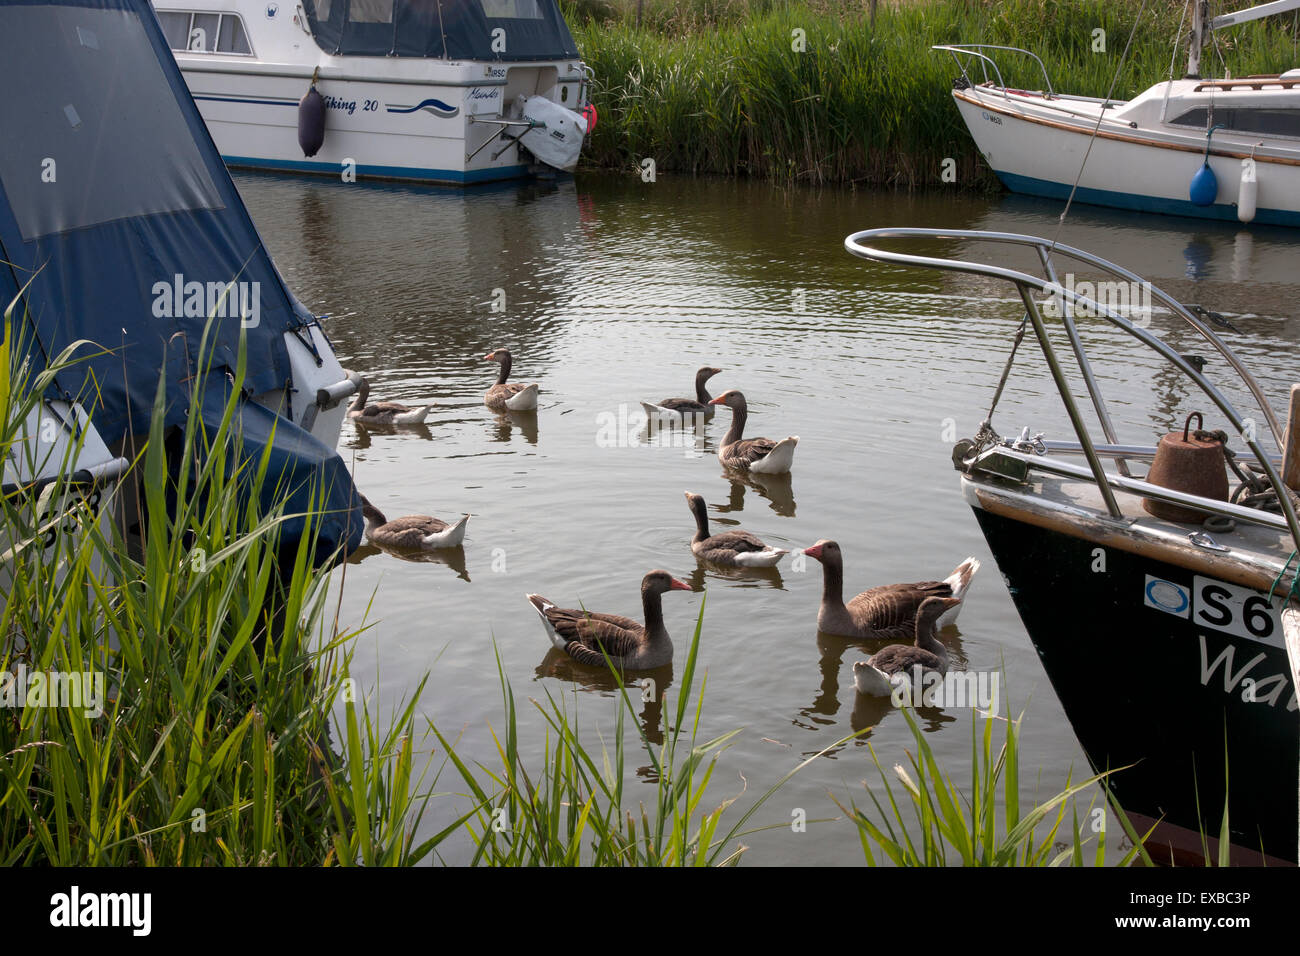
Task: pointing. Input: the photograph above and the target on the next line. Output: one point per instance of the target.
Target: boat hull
(420, 130)
(1145, 680)
(1134, 169)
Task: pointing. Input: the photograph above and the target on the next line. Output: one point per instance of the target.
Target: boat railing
(1069, 303)
(974, 51)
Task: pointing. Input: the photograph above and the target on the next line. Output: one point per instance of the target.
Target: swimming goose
(760, 455)
(412, 532)
(582, 634)
(882, 613)
(736, 548)
(384, 413)
(876, 675)
(516, 397)
(679, 408)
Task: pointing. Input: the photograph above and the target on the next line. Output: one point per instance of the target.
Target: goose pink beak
(679, 586)
(814, 552)
(488, 357)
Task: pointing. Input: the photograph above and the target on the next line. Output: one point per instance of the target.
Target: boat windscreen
(86, 91)
(447, 29)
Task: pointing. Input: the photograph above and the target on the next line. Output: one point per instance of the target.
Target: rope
(986, 435)
(1101, 114)
(1294, 591)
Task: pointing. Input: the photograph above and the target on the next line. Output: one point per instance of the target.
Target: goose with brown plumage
(759, 455)
(508, 395)
(736, 548)
(882, 613)
(877, 675)
(411, 532)
(678, 408)
(384, 413)
(584, 635)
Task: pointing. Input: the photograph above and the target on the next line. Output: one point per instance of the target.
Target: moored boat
(1172, 648)
(124, 241)
(1147, 153)
(449, 91)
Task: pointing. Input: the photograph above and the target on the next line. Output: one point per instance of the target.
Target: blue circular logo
(1167, 596)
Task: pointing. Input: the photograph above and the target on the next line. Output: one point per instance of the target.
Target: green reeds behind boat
(815, 92)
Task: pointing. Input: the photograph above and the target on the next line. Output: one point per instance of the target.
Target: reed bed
(212, 742)
(717, 87)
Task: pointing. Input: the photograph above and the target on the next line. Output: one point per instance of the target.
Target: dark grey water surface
(616, 291)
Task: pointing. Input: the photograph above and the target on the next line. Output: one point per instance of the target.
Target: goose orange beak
(679, 586)
(488, 357)
(716, 401)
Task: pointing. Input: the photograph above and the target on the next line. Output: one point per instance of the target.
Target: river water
(610, 291)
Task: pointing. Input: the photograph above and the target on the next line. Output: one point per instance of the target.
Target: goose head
(826, 551)
(699, 509)
(497, 355)
(932, 609)
(374, 517)
(705, 373)
(733, 399)
(661, 582)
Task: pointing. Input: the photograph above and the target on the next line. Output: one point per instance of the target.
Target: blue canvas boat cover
(502, 30)
(122, 225)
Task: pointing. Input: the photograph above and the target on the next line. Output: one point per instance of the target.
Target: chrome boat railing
(958, 50)
(860, 244)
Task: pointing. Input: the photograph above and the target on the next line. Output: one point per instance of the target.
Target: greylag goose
(582, 634)
(384, 413)
(736, 548)
(876, 675)
(512, 395)
(760, 455)
(882, 613)
(412, 532)
(679, 408)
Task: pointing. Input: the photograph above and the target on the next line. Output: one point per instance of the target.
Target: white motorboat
(1150, 153)
(451, 91)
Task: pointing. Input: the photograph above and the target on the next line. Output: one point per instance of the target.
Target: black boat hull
(1167, 668)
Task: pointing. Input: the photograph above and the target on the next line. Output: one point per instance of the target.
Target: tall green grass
(714, 86)
(214, 742)
(933, 823)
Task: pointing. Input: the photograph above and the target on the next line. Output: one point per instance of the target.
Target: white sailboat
(1148, 153)
(452, 91)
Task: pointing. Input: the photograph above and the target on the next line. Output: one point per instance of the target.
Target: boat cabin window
(1275, 122)
(205, 32)
(496, 30)
(370, 11)
(96, 102)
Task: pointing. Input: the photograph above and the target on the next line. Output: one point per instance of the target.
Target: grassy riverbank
(722, 86)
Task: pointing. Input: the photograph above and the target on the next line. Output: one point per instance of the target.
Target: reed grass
(714, 86)
(573, 809)
(932, 823)
(214, 741)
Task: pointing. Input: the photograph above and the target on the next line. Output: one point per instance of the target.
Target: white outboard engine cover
(559, 142)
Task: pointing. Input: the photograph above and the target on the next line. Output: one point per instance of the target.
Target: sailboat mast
(1200, 20)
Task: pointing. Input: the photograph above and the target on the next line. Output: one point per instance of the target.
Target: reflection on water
(644, 687)
(453, 558)
(613, 290)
